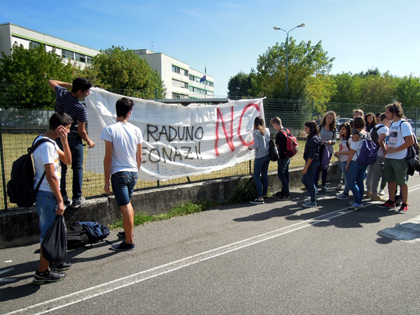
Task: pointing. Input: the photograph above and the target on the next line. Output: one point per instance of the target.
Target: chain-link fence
(20, 126)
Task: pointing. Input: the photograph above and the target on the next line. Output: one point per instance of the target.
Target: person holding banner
(123, 148)
(261, 136)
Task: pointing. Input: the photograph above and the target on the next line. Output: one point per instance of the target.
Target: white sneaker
(381, 192)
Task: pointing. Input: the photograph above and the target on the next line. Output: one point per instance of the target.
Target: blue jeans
(76, 148)
(45, 206)
(123, 184)
(355, 176)
(345, 175)
(283, 174)
(309, 179)
(261, 168)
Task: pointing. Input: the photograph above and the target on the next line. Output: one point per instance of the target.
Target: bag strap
(31, 151)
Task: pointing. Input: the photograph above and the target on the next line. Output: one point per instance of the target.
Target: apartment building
(11, 34)
(181, 81)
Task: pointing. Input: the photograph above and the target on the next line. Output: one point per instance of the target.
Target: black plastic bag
(54, 245)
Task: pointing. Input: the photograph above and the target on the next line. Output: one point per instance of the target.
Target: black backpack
(20, 187)
(274, 154)
(80, 234)
(375, 136)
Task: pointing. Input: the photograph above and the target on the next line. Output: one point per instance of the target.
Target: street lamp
(287, 47)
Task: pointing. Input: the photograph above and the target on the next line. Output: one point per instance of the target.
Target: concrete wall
(20, 226)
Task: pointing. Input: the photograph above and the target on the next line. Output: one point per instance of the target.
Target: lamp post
(287, 47)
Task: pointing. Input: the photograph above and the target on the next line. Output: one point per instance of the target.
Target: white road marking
(89, 293)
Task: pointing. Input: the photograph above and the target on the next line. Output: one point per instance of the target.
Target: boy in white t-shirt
(49, 201)
(395, 167)
(123, 148)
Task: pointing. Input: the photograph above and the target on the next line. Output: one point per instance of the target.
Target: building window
(34, 44)
(179, 96)
(179, 84)
(179, 70)
(67, 54)
(89, 60)
(80, 57)
(176, 69)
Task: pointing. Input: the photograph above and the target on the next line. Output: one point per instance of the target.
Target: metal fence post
(3, 177)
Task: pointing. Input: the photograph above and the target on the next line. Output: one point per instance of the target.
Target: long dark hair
(313, 128)
(348, 129)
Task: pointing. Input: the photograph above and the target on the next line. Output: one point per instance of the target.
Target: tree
(348, 88)
(319, 89)
(408, 91)
(24, 77)
(378, 89)
(239, 85)
(122, 71)
(304, 61)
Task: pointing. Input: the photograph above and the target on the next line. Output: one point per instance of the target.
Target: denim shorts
(123, 186)
(45, 206)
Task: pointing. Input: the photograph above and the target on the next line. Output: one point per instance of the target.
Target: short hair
(359, 111)
(60, 119)
(313, 128)
(396, 108)
(123, 106)
(276, 120)
(359, 122)
(81, 84)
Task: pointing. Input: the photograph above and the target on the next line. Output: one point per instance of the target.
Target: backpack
(292, 145)
(368, 152)
(413, 161)
(375, 136)
(324, 157)
(274, 154)
(20, 187)
(80, 234)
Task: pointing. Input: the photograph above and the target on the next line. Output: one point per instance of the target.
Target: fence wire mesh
(20, 126)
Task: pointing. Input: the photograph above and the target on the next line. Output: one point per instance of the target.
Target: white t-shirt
(46, 153)
(344, 147)
(382, 130)
(124, 137)
(396, 138)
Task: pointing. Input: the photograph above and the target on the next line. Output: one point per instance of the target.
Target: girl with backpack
(328, 134)
(261, 136)
(342, 154)
(311, 156)
(355, 170)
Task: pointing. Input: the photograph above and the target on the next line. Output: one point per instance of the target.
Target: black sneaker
(122, 235)
(61, 266)
(123, 246)
(47, 277)
(256, 201)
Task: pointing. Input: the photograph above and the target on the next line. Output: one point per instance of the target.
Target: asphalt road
(276, 258)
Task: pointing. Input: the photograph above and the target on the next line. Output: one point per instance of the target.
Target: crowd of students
(390, 132)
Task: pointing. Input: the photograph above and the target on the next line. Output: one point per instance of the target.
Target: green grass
(181, 210)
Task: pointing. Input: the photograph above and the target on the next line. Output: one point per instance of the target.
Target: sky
(227, 37)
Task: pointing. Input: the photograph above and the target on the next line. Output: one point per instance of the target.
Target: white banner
(179, 141)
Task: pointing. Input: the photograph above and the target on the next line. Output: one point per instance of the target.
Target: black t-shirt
(281, 141)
